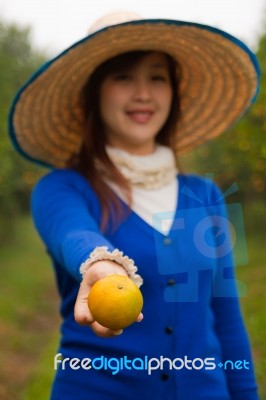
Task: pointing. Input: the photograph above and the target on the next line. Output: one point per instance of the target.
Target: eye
(160, 78)
(123, 76)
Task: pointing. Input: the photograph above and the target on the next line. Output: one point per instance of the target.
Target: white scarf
(150, 171)
(154, 184)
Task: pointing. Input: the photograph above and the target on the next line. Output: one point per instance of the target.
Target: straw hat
(219, 83)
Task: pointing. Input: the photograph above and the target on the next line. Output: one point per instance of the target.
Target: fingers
(140, 317)
(100, 330)
(97, 271)
(82, 313)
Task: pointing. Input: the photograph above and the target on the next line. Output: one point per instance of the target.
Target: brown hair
(93, 146)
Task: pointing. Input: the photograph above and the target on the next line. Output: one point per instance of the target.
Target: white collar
(149, 171)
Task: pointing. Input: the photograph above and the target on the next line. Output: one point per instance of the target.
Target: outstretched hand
(82, 313)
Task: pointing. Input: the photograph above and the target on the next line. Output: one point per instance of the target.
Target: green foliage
(29, 315)
(239, 155)
(17, 62)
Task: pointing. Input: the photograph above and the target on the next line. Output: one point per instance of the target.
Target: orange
(115, 301)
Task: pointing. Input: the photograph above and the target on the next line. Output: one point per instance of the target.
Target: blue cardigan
(192, 344)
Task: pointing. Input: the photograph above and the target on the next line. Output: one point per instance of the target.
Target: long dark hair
(94, 141)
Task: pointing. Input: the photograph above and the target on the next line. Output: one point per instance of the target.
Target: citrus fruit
(115, 301)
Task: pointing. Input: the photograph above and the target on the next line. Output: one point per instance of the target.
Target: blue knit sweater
(192, 344)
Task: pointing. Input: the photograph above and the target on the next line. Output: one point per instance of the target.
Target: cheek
(110, 101)
(166, 99)
(106, 105)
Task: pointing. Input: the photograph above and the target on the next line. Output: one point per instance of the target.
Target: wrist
(115, 261)
(107, 267)
(100, 269)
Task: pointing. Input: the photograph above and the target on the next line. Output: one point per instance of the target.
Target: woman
(110, 120)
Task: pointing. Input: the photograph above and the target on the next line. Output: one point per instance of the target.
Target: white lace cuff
(102, 253)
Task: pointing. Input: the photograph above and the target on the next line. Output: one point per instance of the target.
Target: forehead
(155, 59)
(152, 60)
(132, 60)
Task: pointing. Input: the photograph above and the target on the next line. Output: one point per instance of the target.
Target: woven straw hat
(219, 82)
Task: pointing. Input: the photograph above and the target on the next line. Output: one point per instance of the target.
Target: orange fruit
(115, 301)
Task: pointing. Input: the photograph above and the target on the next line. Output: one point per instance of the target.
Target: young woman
(110, 115)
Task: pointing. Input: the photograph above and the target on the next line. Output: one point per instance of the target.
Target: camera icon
(204, 243)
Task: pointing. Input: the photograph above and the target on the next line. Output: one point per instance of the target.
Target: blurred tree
(239, 155)
(17, 61)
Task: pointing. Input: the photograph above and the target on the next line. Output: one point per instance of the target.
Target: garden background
(29, 319)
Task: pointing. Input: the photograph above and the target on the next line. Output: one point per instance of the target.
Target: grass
(42, 376)
(253, 304)
(30, 322)
(29, 316)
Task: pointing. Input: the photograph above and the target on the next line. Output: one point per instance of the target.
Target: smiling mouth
(140, 117)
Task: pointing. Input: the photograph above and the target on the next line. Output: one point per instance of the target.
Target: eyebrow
(158, 66)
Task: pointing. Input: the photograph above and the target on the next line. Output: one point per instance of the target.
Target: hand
(82, 313)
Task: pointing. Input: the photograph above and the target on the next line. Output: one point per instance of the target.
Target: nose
(142, 90)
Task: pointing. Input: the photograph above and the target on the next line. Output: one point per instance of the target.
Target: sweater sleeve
(229, 323)
(61, 213)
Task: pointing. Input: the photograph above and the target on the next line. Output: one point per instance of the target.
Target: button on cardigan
(188, 286)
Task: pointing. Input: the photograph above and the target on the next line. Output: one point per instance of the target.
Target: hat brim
(220, 80)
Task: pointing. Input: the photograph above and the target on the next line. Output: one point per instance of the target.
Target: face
(135, 104)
